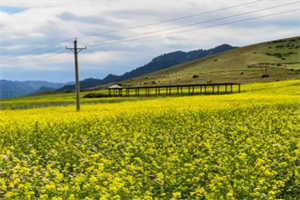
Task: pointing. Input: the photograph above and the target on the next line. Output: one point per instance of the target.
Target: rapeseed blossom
(243, 146)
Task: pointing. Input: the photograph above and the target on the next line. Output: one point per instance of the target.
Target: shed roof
(117, 86)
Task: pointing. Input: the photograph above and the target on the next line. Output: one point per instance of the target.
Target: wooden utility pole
(76, 51)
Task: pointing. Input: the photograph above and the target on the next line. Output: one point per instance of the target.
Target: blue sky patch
(12, 10)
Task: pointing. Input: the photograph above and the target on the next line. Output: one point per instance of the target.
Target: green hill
(269, 61)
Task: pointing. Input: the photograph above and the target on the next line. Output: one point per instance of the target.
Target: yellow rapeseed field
(239, 146)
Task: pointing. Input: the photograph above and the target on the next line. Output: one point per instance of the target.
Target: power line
(250, 19)
(63, 41)
(188, 16)
(162, 22)
(39, 49)
(185, 17)
(154, 33)
(149, 34)
(49, 55)
(189, 30)
(165, 21)
(58, 47)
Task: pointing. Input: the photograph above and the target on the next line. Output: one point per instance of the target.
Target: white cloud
(103, 57)
(43, 60)
(29, 37)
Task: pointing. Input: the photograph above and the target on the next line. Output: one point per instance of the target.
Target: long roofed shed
(116, 86)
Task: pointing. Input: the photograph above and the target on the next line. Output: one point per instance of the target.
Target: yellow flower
(92, 179)
(50, 187)
(176, 195)
(44, 197)
(10, 194)
(243, 156)
(72, 197)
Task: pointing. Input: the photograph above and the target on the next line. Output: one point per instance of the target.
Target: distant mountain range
(267, 61)
(161, 62)
(11, 89)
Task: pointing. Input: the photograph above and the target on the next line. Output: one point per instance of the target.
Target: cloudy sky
(124, 34)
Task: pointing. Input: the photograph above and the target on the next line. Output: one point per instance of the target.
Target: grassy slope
(282, 62)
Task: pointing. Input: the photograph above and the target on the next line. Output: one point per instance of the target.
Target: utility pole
(76, 51)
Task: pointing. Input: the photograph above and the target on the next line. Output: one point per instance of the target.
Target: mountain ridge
(12, 89)
(274, 60)
(158, 63)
